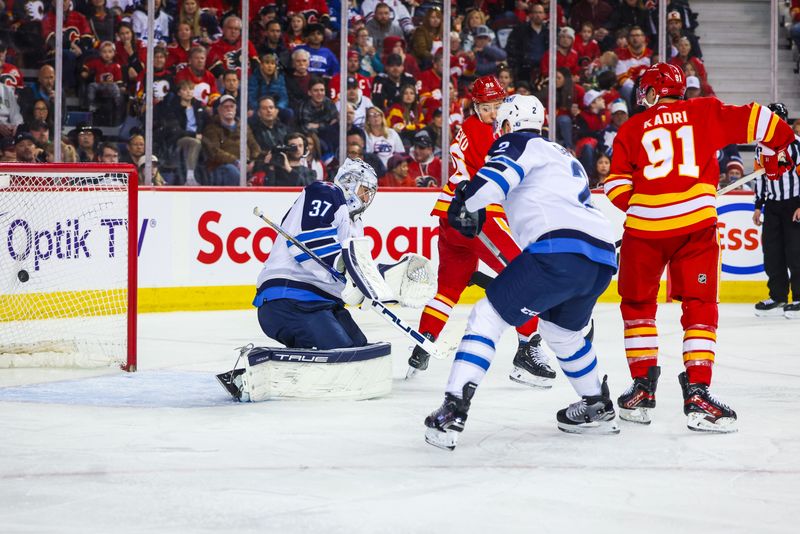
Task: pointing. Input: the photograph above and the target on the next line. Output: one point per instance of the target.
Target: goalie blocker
(355, 373)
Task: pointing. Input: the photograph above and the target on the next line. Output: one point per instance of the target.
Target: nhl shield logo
(701, 278)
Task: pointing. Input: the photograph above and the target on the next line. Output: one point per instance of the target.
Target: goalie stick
(378, 307)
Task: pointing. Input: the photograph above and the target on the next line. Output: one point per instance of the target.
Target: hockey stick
(378, 307)
(493, 248)
(741, 181)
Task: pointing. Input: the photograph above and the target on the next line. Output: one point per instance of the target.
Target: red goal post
(68, 283)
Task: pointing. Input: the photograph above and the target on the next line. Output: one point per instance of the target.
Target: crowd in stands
(393, 66)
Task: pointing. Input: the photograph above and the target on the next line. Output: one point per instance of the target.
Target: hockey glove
(775, 163)
(469, 223)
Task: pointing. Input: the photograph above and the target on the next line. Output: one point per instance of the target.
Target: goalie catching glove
(468, 223)
(411, 281)
(775, 163)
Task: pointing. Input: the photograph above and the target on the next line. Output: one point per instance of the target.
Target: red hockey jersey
(664, 169)
(467, 155)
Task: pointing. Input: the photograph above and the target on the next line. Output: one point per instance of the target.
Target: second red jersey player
(664, 175)
(459, 255)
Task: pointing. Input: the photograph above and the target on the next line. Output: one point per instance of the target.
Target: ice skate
(418, 361)
(637, 401)
(770, 308)
(792, 311)
(591, 415)
(704, 411)
(531, 366)
(445, 423)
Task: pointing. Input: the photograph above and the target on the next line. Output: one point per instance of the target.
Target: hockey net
(68, 265)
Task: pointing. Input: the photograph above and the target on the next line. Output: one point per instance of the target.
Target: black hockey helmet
(779, 109)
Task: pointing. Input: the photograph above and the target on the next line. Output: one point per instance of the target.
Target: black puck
(23, 276)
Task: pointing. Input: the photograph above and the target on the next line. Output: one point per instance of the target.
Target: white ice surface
(165, 449)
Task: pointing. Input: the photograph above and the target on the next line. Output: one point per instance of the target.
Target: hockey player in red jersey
(664, 174)
(458, 256)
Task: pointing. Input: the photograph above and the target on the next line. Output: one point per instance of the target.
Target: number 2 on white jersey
(662, 157)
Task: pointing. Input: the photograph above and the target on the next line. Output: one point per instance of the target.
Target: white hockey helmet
(358, 182)
(523, 112)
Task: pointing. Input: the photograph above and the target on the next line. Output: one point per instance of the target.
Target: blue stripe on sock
(474, 359)
(582, 372)
(481, 339)
(580, 354)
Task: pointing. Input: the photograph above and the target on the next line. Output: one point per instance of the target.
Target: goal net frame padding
(49, 178)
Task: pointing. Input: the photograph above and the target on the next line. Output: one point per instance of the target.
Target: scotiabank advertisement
(209, 237)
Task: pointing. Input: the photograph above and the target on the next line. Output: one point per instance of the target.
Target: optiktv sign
(740, 239)
(33, 245)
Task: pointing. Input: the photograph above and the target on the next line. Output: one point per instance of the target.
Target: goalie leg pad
(353, 373)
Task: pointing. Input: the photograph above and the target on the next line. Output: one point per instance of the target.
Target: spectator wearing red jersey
(9, 74)
(569, 98)
(178, 50)
(312, 10)
(430, 80)
(631, 59)
(106, 78)
(353, 67)
(129, 54)
(205, 84)
(561, 19)
(690, 70)
(585, 45)
(589, 124)
(397, 45)
(163, 77)
(78, 39)
(294, 34)
(565, 55)
(425, 168)
(398, 173)
(225, 53)
(406, 116)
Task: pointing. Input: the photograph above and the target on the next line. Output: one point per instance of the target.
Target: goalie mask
(358, 182)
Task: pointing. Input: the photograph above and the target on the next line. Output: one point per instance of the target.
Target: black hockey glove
(469, 223)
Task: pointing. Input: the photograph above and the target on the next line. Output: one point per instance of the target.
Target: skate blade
(792, 315)
(595, 427)
(443, 440)
(777, 312)
(411, 373)
(698, 423)
(639, 416)
(521, 376)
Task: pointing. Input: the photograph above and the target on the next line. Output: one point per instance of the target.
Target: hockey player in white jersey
(300, 303)
(568, 260)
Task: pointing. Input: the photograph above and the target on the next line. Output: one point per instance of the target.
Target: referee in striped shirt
(779, 203)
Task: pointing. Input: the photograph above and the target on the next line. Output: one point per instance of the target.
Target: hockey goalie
(304, 285)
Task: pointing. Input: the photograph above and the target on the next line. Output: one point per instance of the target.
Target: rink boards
(203, 248)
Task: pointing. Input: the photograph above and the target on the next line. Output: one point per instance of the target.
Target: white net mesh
(63, 268)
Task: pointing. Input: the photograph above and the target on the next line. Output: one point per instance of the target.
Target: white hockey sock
(523, 338)
(575, 355)
(477, 347)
